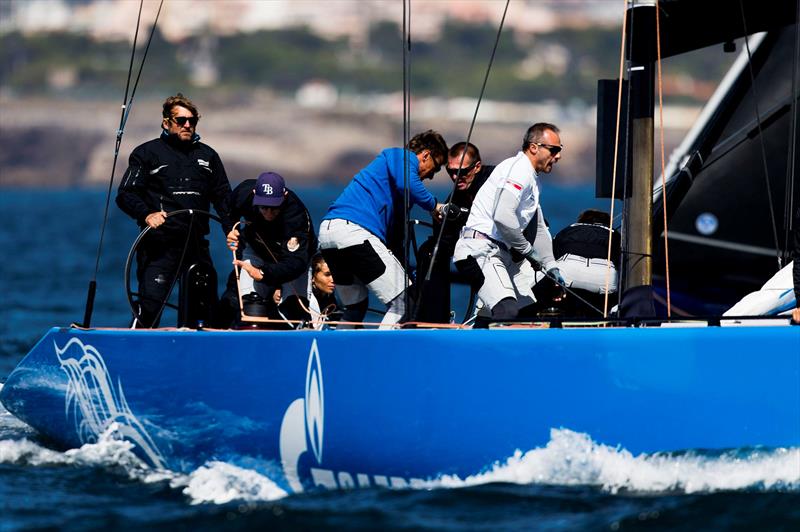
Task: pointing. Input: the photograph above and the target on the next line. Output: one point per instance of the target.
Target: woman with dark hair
(321, 296)
(318, 302)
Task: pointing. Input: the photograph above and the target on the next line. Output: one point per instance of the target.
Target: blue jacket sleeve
(418, 193)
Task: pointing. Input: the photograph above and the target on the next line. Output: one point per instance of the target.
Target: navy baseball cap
(270, 190)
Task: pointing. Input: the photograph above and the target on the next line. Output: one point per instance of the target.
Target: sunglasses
(436, 164)
(181, 120)
(464, 170)
(554, 150)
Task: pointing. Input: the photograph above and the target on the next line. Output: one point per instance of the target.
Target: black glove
(537, 266)
(516, 256)
(451, 211)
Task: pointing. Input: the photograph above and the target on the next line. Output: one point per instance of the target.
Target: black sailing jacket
(286, 244)
(587, 240)
(168, 174)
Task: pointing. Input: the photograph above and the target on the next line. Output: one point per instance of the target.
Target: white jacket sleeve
(542, 251)
(505, 218)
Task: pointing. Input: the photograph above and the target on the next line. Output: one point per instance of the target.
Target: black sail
(727, 227)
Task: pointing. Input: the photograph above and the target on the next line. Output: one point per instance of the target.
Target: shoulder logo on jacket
(293, 244)
(156, 170)
(204, 164)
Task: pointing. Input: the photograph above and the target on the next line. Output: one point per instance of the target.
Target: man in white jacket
(492, 251)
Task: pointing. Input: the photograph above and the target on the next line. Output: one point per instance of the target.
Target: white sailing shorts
(502, 277)
(342, 242)
(588, 274)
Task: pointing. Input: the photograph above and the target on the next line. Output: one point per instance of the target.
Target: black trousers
(432, 297)
(160, 264)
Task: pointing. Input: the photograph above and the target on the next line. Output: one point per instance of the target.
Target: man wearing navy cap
(273, 246)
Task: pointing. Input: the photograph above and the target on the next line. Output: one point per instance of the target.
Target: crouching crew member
(493, 252)
(274, 246)
(174, 172)
(354, 230)
(582, 249)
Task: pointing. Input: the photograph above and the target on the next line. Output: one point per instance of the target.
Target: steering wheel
(132, 253)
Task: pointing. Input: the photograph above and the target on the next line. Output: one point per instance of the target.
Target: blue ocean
(50, 242)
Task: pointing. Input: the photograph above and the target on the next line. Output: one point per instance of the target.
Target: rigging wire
(616, 153)
(761, 139)
(788, 212)
(625, 223)
(663, 170)
(126, 108)
(406, 140)
(625, 226)
(464, 152)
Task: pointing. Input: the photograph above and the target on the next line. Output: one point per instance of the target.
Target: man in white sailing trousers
(493, 252)
(353, 233)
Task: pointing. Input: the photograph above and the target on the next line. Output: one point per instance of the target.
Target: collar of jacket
(173, 139)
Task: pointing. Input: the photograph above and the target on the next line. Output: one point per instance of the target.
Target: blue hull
(340, 408)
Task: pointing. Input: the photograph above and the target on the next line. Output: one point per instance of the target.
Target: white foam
(215, 482)
(108, 451)
(27, 452)
(220, 483)
(572, 458)
(569, 458)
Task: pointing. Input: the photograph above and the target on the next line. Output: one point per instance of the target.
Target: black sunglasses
(181, 120)
(554, 150)
(464, 170)
(436, 164)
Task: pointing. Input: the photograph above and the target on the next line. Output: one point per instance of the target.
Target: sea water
(49, 241)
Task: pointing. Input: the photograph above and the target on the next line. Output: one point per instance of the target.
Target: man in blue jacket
(353, 233)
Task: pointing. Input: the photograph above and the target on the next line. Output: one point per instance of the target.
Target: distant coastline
(70, 142)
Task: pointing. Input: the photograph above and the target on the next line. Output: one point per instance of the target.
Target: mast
(641, 62)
